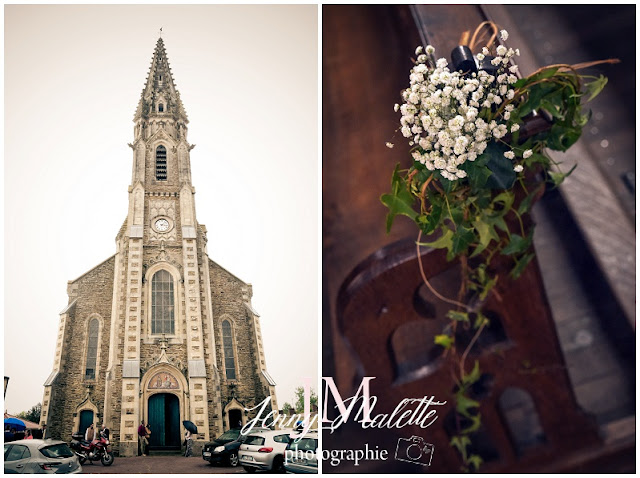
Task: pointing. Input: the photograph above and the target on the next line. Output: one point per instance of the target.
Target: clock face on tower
(161, 225)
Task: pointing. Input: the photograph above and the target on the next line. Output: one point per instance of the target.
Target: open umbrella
(15, 423)
(190, 426)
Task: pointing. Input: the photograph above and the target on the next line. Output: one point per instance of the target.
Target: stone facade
(177, 337)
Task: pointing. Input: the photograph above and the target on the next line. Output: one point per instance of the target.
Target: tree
(313, 399)
(286, 407)
(33, 415)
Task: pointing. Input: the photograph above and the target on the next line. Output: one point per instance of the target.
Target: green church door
(86, 419)
(164, 421)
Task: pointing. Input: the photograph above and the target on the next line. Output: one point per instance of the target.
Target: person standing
(188, 443)
(45, 432)
(147, 436)
(142, 439)
(28, 435)
(104, 431)
(90, 434)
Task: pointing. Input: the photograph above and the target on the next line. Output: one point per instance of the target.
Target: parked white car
(301, 454)
(264, 451)
(40, 456)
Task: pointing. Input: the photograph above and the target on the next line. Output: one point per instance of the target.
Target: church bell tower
(158, 332)
(161, 281)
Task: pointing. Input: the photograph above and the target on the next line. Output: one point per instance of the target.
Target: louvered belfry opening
(161, 163)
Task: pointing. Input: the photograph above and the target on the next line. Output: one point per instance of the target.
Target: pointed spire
(159, 95)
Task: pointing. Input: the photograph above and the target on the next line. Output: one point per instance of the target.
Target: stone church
(157, 332)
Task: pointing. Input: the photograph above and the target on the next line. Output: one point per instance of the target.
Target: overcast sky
(247, 76)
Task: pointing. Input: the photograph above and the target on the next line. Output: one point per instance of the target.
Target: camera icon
(414, 450)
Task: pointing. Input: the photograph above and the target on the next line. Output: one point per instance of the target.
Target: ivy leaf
(538, 158)
(458, 316)
(472, 376)
(520, 265)
(498, 221)
(486, 232)
(475, 460)
(516, 245)
(476, 421)
(481, 319)
(444, 340)
(582, 120)
(461, 239)
(525, 205)
(399, 201)
(546, 73)
(502, 174)
(464, 404)
(478, 175)
(562, 136)
(433, 219)
(460, 443)
(443, 242)
(487, 287)
(558, 177)
(595, 87)
(505, 198)
(536, 94)
(398, 204)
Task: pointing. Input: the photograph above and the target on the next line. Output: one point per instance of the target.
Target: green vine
(471, 185)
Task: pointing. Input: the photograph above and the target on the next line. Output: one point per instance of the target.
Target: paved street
(159, 465)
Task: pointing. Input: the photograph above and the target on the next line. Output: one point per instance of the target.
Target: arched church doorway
(86, 419)
(164, 421)
(235, 418)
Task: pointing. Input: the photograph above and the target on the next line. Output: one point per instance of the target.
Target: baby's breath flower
(389, 145)
(485, 50)
(504, 35)
(396, 107)
(527, 154)
(518, 168)
(509, 154)
(442, 111)
(501, 50)
(515, 127)
(441, 63)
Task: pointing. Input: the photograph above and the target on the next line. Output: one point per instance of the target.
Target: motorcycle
(97, 449)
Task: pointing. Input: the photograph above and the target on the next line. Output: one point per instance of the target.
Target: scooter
(97, 449)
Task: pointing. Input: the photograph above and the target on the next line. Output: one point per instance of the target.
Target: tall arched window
(162, 303)
(161, 163)
(227, 342)
(92, 349)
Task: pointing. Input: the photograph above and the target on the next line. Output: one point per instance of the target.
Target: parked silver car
(40, 456)
(264, 451)
(300, 455)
